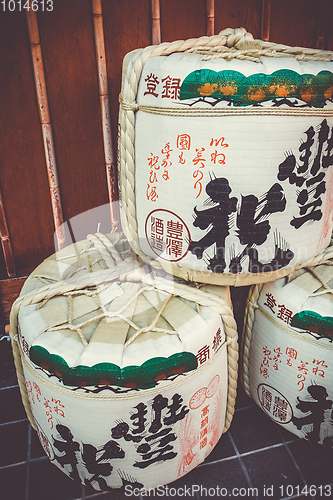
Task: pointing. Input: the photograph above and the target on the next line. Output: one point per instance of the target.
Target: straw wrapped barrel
(128, 376)
(287, 351)
(225, 156)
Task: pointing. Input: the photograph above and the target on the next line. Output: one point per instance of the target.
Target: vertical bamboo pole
(44, 114)
(265, 19)
(210, 18)
(5, 242)
(323, 20)
(155, 22)
(105, 110)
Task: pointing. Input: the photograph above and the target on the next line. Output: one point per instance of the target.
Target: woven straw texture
(84, 271)
(286, 351)
(229, 44)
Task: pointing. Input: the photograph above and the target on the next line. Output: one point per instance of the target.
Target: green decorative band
(136, 377)
(282, 85)
(314, 322)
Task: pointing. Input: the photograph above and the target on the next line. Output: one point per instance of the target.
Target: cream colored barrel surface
(287, 350)
(225, 157)
(128, 375)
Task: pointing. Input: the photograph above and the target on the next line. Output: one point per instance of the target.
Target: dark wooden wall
(68, 48)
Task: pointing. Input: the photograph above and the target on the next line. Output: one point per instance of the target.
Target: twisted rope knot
(236, 37)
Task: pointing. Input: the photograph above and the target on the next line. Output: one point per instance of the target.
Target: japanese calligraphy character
(182, 160)
(254, 228)
(166, 150)
(97, 461)
(174, 247)
(152, 177)
(157, 225)
(122, 430)
(303, 368)
(48, 411)
(318, 372)
(37, 391)
(280, 409)
(152, 161)
(264, 371)
(166, 164)
(203, 443)
(218, 216)
(217, 339)
(267, 352)
(157, 450)
(284, 314)
(270, 302)
(138, 418)
(176, 411)
(151, 193)
(171, 87)
(69, 447)
(174, 229)
(292, 353)
(266, 399)
(152, 82)
(58, 407)
(301, 381)
(197, 173)
(25, 346)
(203, 432)
(204, 422)
(309, 174)
(199, 159)
(204, 411)
(218, 142)
(316, 408)
(214, 156)
(320, 363)
(203, 354)
(184, 142)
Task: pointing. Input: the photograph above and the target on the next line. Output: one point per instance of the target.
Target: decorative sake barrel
(128, 376)
(225, 157)
(287, 350)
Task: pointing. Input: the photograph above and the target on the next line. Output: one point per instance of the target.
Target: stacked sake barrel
(288, 351)
(128, 376)
(225, 157)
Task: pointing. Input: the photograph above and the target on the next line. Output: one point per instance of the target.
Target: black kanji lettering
(315, 409)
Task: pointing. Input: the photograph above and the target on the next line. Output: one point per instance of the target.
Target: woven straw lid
(93, 315)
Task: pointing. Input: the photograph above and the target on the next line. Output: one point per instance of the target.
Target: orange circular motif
(213, 386)
(207, 89)
(328, 93)
(259, 95)
(198, 398)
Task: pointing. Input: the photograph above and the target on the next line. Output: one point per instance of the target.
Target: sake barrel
(287, 351)
(225, 157)
(128, 376)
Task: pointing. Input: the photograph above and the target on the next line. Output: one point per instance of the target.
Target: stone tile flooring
(256, 458)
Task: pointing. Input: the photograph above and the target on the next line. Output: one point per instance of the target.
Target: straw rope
(247, 335)
(238, 44)
(228, 111)
(124, 270)
(18, 357)
(252, 306)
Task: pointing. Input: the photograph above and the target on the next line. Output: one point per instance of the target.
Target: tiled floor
(256, 458)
